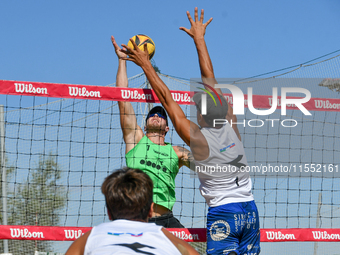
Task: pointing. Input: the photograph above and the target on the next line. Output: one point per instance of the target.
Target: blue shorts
(233, 227)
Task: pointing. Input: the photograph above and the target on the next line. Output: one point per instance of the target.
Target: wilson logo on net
(72, 234)
(272, 235)
(134, 94)
(325, 104)
(323, 235)
(29, 88)
(83, 92)
(185, 236)
(181, 97)
(25, 233)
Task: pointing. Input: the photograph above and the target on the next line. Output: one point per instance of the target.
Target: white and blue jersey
(128, 237)
(233, 222)
(222, 182)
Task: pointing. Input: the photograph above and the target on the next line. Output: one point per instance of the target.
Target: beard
(155, 126)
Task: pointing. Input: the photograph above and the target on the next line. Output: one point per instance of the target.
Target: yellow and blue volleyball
(140, 40)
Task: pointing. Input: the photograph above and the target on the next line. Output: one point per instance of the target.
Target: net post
(4, 174)
(318, 222)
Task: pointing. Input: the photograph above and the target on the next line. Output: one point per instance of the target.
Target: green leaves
(37, 201)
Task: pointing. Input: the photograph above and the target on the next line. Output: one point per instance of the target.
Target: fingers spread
(208, 22)
(189, 18)
(134, 44)
(126, 49)
(113, 40)
(185, 29)
(202, 16)
(196, 14)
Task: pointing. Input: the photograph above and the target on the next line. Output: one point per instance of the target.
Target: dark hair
(128, 194)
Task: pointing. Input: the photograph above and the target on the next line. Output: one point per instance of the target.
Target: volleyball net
(59, 142)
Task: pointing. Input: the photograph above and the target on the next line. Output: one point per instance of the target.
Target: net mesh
(57, 153)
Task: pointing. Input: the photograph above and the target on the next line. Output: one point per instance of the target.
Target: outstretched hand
(136, 55)
(119, 53)
(198, 28)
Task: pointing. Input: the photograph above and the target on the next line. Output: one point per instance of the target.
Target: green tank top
(161, 164)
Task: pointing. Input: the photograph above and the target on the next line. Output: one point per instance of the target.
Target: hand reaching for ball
(135, 54)
(120, 54)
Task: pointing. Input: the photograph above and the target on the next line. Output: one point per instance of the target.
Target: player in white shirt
(128, 195)
(232, 221)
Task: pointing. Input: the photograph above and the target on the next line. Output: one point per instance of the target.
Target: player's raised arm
(197, 32)
(177, 116)
(132, 133)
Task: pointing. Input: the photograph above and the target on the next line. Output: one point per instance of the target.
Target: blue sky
(69, 41)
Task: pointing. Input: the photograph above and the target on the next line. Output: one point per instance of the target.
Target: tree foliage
(9, 172)
(153, 63)
(332, 84)
(37, 201)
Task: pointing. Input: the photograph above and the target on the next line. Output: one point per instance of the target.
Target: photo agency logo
(204, 98)
(238, 105)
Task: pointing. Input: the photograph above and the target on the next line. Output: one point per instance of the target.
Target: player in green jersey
(149, 152)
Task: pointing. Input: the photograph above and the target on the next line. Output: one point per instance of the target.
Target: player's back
(128, 237)
(222, 179)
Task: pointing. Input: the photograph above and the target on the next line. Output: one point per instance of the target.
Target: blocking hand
(198, 28)
(119, 53)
